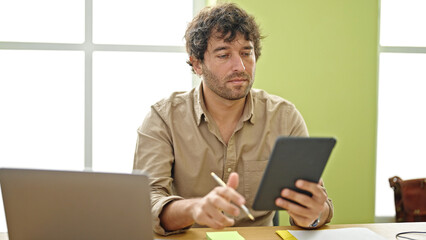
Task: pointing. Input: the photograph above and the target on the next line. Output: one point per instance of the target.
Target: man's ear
(196, 65)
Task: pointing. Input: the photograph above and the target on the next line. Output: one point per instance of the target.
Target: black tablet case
(292, 158)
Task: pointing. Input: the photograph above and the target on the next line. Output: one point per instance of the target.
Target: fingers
(311, 207)
(233, 180)
(318, 194)
(212, 217)
(292, 207)
(210, 210)
(222, 197)
(315, 188)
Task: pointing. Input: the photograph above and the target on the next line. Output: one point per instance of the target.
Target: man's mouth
(238, 80)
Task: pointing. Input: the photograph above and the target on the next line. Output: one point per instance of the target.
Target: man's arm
(154, 155)
(319, 205)
(206, 211)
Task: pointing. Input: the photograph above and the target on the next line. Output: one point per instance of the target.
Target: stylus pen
(242, 206)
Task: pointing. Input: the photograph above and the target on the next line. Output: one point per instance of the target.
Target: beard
(219, 87)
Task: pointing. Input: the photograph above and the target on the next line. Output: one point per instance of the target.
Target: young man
(222, 126)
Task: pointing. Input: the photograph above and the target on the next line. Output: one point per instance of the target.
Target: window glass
(125, 85)
(141, 22)
(42, 21)
(42, 95)
(401, 124)
(403, 23)
(42, 111)
(42, 104)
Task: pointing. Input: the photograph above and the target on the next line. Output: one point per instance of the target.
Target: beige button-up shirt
(179, 144)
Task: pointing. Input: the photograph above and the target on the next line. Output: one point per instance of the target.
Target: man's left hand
(312, 208)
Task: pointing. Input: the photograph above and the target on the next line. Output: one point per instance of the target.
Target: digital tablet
(292, 158)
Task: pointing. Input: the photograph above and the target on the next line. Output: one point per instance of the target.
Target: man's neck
(222, 109)
(226, 113)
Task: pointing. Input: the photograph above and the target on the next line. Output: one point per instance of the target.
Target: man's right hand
(210, 209)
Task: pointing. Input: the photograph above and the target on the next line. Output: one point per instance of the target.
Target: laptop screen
(46, 204)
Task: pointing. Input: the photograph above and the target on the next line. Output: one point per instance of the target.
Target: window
(402, 83)
(122, 94)
(78, 76)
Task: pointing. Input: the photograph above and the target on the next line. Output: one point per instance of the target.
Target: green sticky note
(230, 235)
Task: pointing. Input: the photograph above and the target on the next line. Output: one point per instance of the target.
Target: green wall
(322, 56)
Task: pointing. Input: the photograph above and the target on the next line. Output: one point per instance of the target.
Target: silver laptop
(47, 204)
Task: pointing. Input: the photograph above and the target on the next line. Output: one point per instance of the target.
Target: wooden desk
(387, 230)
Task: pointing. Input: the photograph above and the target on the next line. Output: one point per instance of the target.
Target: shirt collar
(248, 114)
(200, 107)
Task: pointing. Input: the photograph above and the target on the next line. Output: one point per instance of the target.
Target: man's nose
(238, 64)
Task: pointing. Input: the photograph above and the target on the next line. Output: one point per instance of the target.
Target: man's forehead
(218, 35)
(218, 38)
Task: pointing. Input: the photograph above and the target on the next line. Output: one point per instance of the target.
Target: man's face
(229, 67)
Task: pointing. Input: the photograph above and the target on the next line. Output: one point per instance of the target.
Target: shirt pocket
(253, 173)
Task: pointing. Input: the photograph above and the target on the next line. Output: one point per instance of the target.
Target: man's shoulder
(174, 100)
(285, 119)
(270, 100)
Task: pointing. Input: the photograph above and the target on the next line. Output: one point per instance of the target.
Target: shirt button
(229, 169)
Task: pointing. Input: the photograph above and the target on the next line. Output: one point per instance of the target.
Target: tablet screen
(292, 158)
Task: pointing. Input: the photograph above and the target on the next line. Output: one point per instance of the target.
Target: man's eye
(223, 56)
(247, 54)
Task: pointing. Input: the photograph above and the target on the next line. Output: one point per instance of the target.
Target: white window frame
(88, 47)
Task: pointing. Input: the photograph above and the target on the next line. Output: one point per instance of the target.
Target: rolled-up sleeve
(154, 155)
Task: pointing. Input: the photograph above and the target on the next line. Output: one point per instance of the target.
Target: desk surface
(387, 230)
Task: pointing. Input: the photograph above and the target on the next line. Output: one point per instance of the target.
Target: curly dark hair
(224, 18)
